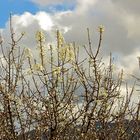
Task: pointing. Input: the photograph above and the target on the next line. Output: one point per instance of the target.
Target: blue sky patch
(15, 7)
(21, 6)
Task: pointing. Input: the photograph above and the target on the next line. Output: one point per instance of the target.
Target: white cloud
(30, 24)
(121, 20)
(129, 63)
(44, 20)
(27, 19)
(121, 28)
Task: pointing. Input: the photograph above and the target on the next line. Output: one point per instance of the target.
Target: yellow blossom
(57, 70)
(22, 33)
(66, 53)
(37, 67)
(105, 94)
(60, 38)
(71, 54)
(101, 28)
(113, 67)
(71, 79)
(28, 53)
(62, 52)
(43, 50)
(40, 36)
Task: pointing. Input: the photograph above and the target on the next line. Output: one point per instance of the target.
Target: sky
(121, 19)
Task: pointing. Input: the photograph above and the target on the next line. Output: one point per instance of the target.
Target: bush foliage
(62, 96)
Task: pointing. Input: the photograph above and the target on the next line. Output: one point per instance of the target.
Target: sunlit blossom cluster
(40, 36)
(67, 52)
(28, 53)
(60, 39)
(56, 70)
(37, 67)
(101, 28)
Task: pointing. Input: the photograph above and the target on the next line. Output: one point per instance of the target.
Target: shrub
(60, 96)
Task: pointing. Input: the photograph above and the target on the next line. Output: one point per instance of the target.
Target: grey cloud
(131, 6)
(121, 36)
(116, 35)
(52, 2)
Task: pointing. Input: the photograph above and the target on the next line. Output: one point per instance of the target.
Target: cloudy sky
(121, 19)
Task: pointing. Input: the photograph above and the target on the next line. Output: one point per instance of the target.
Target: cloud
(121, 26)
(131, 24)
(52, 2)
(129, 6)
(30, 24)
(85, 5)
(121, 36)
(121, 21)
(43, 20)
